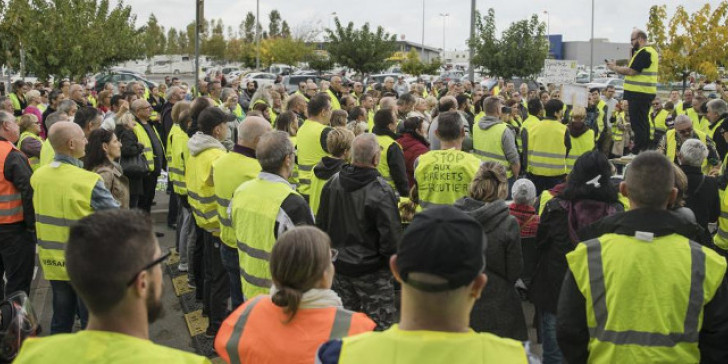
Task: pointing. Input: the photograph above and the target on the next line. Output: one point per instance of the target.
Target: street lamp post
(471, 70)
(591, 46)
(422, 50)
(548, 29)
(444, 23)
(257, 34)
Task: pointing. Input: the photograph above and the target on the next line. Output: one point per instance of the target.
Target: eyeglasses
(687, 131)
(149, 266)
(334, 255)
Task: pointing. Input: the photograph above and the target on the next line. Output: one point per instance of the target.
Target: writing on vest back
(54, 263)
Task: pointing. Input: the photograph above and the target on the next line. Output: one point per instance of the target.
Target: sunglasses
(149, 266)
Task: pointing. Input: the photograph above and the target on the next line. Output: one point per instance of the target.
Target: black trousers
(639, 108)
(173, 206)
(198, 261)
(17, 251)
(149, 186)
(217, 283)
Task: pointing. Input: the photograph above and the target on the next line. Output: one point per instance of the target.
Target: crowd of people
(352, 223)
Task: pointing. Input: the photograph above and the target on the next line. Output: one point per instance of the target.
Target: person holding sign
(640, 86)
(442, 176)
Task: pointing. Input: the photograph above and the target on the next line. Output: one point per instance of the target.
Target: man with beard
(247, 94)
(118, 245)
(640, 86)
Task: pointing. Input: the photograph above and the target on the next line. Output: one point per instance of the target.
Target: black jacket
(17, 171)
(395, 160)
(571, 326)
(359, 211)
(702, 196)
(555, 239)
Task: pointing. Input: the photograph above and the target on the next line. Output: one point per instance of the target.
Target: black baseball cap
(445, 242)
(212, 117)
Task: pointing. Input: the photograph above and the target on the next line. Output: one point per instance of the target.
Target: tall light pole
(257, 34)
(591, 46)
(422, 50)
(444, 23)
(548, 28)
(199, 15)
(471, 70)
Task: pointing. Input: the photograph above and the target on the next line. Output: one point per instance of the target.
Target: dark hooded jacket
(503, 266)
(358, 210)
(557, 235)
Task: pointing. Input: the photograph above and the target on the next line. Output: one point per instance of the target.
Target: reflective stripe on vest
(229, 172)
(11, 204)
(293, 179)
(671, 145)
(721, 237)
(385, 141)
(335, 105)
(143, 138)
(488, 145)
(645, 81)
(546, 149)
(201, 195)
(178, 153)
(642, 338)
(579, 145)
(57, 209)
(255, 316)
(309, 152)
(254, 208)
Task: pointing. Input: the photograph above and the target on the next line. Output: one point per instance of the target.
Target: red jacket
(412, 148)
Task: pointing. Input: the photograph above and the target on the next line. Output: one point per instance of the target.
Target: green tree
(520, 51)
(11, 31)
(284, 50)
(274, 25)
(214, 46)
(172, 42)
(414, 66)
(153, 38)
(690, 42)
(285, 29)
(70, 38)
(360, 49)
(319, 62)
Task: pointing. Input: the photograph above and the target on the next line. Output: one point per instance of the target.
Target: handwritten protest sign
(559, 72)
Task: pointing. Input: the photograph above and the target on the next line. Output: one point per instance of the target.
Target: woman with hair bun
(301, 312)
(503, 257)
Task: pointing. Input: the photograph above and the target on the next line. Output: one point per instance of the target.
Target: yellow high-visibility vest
(254, 208)
(546, 149)
(488, 146)
(580, 145)
(201, 195)
(430, 347)
(34, 161)
(646, 81)
(625, 325)
(310, 152)
(228, 172)
(56, 209)
(443, 176)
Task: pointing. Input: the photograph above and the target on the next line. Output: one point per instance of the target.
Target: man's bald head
(387, 102)
(138, 104)
(65, 137)
(251, 129)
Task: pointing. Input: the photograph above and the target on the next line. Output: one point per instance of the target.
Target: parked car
(291, 82)
(380, 77)
(115, 77)
(602, 83)
(263, 78)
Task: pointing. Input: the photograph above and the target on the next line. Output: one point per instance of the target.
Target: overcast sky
(614, 19)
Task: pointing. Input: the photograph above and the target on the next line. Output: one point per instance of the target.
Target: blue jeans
(551, 352)
(231, 264)
(66, 304)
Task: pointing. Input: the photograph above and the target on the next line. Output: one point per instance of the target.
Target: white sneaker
(182, 267)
